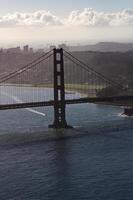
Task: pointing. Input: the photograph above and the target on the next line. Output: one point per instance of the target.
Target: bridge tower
(59, 91)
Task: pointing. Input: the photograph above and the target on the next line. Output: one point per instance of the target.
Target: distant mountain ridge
(104, 47)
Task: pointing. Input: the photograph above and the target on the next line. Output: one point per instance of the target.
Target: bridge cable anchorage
(26, 67)
(87, 68)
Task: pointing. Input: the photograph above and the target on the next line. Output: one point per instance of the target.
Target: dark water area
(92, 161)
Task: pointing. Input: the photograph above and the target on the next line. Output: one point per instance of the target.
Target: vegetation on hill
(114, 65)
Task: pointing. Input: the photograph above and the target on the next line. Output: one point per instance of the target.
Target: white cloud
(38, 18)
(87, 17)
(90, 17)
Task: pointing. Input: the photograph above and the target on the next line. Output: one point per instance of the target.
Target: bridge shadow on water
(110, 130)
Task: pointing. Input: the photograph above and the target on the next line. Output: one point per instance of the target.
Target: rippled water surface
(92, 161)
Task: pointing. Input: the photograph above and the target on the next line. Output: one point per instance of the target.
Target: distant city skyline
(78, 21)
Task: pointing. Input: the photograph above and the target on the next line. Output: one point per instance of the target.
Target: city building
(26, 48)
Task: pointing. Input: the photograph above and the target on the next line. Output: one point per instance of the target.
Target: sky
(45, 22)
(62, 7)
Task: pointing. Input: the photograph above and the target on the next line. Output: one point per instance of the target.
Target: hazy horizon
(47, 44)
(44, 22)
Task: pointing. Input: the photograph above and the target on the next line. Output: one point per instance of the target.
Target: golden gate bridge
(56, 79)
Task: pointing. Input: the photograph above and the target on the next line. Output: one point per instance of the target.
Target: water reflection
(62, 164)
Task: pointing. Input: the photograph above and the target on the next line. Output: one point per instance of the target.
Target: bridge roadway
(118, 100)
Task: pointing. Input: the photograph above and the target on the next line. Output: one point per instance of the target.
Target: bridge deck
(121, 100)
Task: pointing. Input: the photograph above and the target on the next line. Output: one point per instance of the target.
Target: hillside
(104, 47)
(117, 66)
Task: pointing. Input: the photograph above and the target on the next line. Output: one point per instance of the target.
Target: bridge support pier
(59, 92)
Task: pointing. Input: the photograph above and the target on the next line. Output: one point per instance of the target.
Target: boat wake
(18, 100)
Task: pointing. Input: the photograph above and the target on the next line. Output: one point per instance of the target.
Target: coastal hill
(117, 66)
(104, 47)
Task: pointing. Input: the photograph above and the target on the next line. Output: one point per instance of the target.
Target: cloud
(87, 17)
(38, 18)
(91, 18)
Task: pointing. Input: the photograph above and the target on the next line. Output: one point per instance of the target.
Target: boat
(128, 111)
(69, 92)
